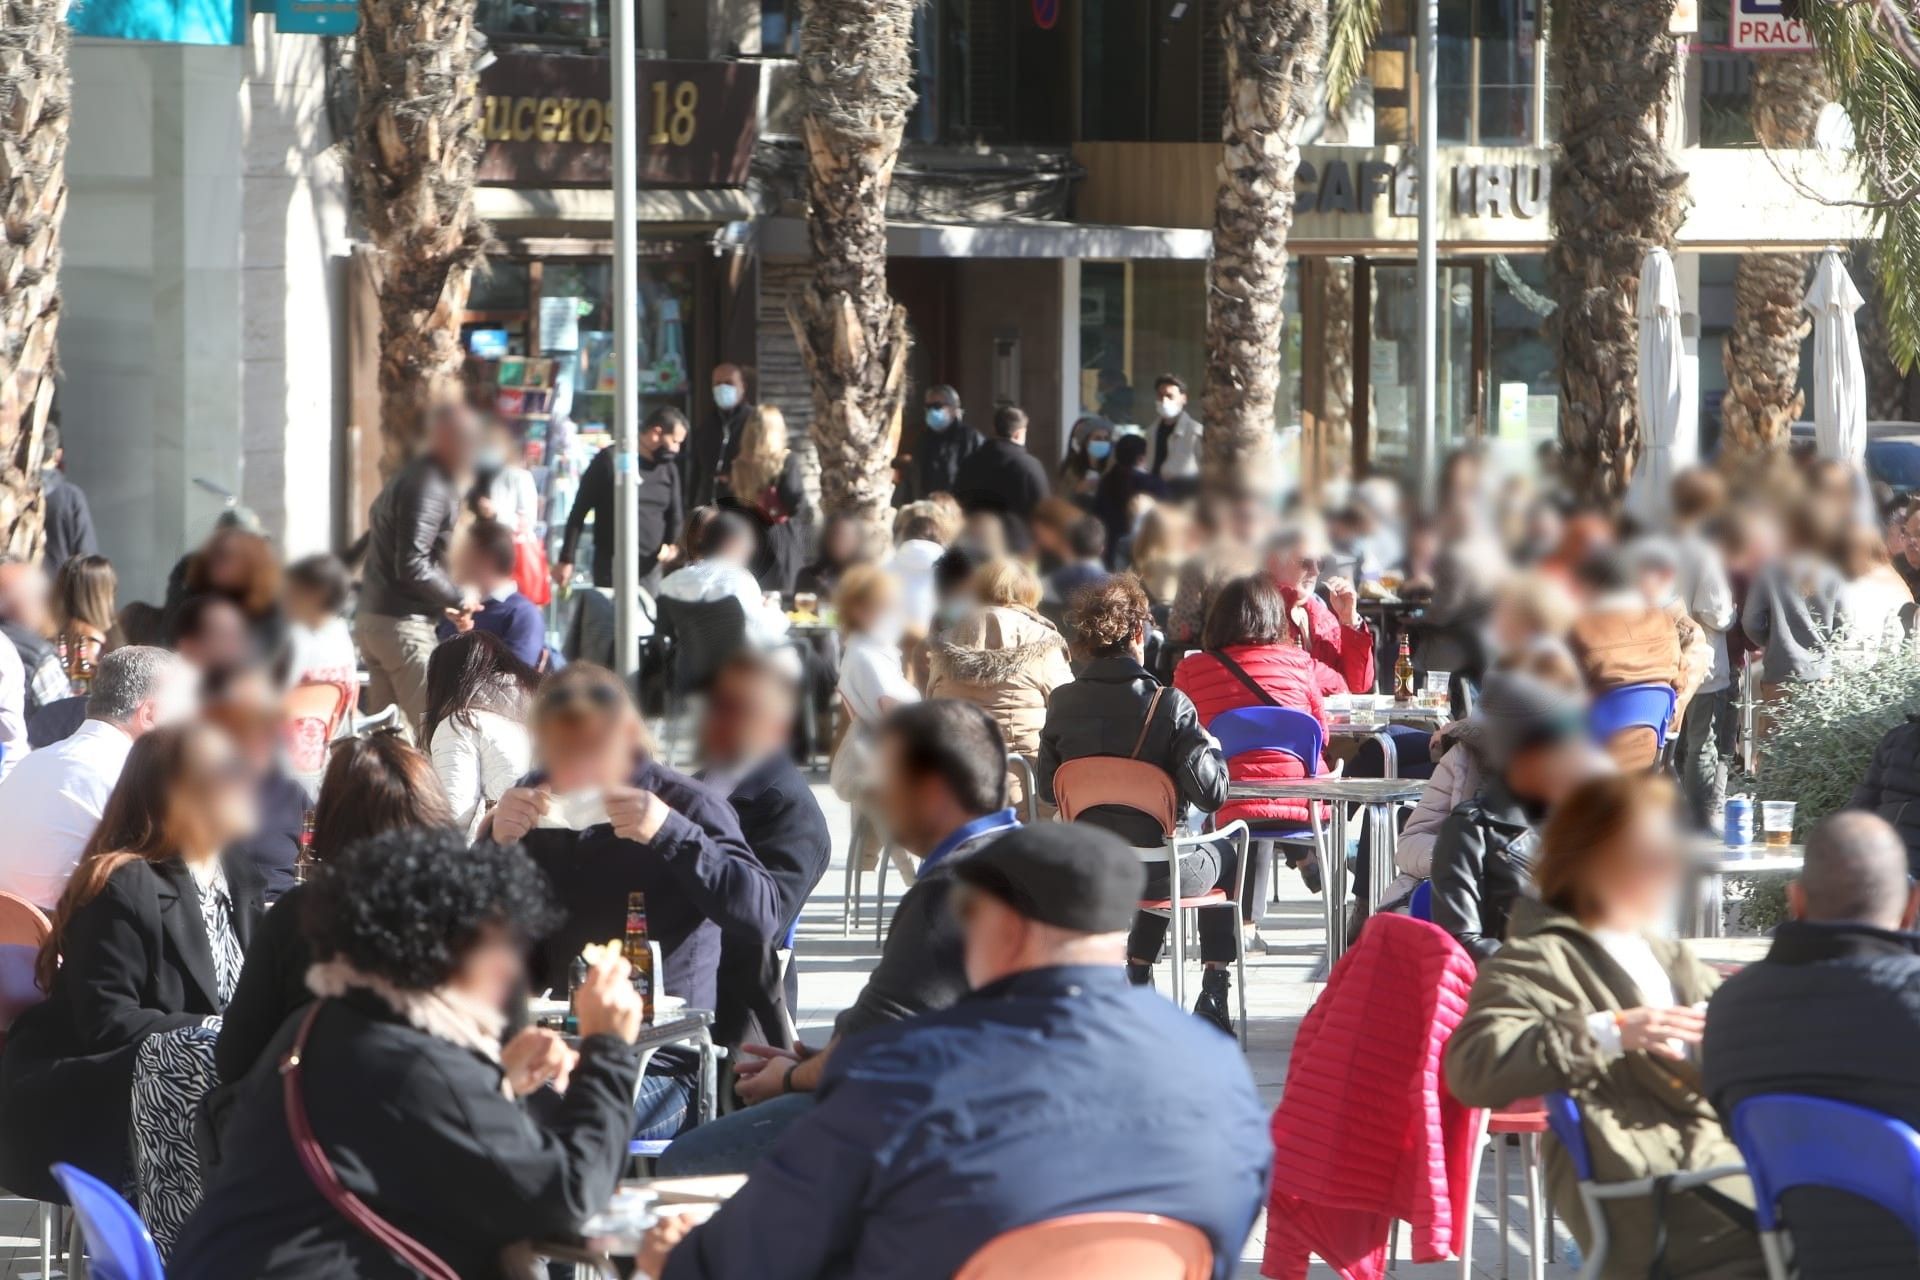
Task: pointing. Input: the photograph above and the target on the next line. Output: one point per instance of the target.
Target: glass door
(1392, 361)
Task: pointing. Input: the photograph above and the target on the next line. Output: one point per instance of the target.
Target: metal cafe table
(1378, 797)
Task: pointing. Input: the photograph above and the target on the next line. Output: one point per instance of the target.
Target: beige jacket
(1005, 660)
(1526, 1034)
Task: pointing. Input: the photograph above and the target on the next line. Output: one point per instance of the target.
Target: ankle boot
(1140, 975)
(1212, 1004)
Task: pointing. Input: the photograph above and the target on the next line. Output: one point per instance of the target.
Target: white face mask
(725, 396)
(1170, 408)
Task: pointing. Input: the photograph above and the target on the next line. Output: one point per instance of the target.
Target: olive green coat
(1526, 1034)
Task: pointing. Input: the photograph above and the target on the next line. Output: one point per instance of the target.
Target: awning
(695, 206)
(786, 237)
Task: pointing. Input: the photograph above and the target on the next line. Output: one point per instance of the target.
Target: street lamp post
(626, 399)
(1422, 450)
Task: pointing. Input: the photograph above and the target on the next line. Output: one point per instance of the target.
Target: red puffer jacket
(1292, 679)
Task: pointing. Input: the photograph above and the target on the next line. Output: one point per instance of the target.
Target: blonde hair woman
(1003, 657)
(767, 484)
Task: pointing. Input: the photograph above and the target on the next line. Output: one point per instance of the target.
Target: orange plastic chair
(22, 923)
(1095, 1246)
(315, 712)
(1091, 781)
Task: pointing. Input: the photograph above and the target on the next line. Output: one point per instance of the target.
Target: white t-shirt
(323, 653)
(870, 674)
(13, 708)
(1632, 952)
(516, 502)
(53, 800)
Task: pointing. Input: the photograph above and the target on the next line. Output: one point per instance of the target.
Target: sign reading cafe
(1482, 190)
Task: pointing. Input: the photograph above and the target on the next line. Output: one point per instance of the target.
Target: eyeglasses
(591, 697)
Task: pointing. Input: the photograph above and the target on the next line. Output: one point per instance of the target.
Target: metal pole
(1425, 462)
(626, 400)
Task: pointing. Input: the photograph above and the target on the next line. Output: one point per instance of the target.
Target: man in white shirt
(54, 798)
(725, 548)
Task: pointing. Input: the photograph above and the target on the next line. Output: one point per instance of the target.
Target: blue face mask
(939, 417)
(1099, 449)
(726, 397)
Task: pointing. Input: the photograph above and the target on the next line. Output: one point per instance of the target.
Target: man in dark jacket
(1833, 1011)
(705, 465)
(744, 742)
(1533, 740)
(1891, 787)
(661, 511)
(25, 620)
(1044, 1092)
(1001, 475)
(69, 519)
(405, 589)
(947, 443)
(943, 795)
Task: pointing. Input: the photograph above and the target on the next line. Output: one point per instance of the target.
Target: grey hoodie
(1792, 612)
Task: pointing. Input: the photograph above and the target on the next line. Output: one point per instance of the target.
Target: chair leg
(1536, 1200)
(1500, 1206)
(1176, 922)
(1772, 1249)
(880, 895)
(1473, 1203)
(46, 1214)
(850, 899)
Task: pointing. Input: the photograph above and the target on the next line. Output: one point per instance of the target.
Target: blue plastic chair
(118, 1245)
(1792, 1141)
(1564, 1119)
(1284, 730)
(1634, 706)
(1420, 905)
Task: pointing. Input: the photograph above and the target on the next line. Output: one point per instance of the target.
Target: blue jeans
(734, 1143)
(666, 1095)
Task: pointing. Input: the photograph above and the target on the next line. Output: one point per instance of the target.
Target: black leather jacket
(1482, 860)
(1101, 713)
(408, 531)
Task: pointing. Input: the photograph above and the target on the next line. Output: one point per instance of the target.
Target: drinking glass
(1776, 822)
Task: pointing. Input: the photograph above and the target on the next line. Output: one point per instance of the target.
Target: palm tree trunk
(1616, 194)
(1274, 50)
(35, 88)
(856, 72)
(416, 144)
(1762, 354)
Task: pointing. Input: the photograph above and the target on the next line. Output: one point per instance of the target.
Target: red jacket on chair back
(1292, 679)
(1366, 1131)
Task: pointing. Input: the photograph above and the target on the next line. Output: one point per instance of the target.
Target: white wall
(205, 232)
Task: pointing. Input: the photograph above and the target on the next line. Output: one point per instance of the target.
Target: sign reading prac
(1762, 26)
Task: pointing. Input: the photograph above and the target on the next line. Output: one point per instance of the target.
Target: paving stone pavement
(833, 967)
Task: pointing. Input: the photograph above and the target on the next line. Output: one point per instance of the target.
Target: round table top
(1350, 790)
(1342, 722)
(1756, 859)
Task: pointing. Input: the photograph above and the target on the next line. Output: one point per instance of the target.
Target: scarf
(443, 1013)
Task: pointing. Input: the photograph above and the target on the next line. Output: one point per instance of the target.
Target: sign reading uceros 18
(1761, 26)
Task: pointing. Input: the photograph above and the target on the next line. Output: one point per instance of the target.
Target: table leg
(1384, 840)
(1389, 752)
(1333, 885)
(1707, 896)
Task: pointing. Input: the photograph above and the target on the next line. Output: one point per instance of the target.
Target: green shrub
(1823, 733)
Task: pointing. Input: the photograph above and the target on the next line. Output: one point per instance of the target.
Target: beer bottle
(639, 954)
(1403, 673)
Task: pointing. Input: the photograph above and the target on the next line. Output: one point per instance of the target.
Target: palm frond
(1880, 91)
(1352, 26)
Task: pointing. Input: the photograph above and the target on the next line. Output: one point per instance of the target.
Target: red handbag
(530, 572)
(313, 1158)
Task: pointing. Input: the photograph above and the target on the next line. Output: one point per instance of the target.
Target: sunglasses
(577, 697)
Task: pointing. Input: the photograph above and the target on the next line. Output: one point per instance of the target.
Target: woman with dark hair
(841, 547)
(83, 610)
(1251, 657)
(1589, 997)
(145, 952)
(477, 695)
(1116, 708)
(396, 1079)
(1130, 474)
(1089, 450)
(373, 785)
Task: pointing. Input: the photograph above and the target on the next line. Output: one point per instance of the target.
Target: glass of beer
(806, 603)
(1776, 822)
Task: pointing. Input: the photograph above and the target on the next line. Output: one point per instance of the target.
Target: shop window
(556, 21)
(1722, 79)
(1524, 399)
(1488, 56)
(1152, 71)
(991, 71)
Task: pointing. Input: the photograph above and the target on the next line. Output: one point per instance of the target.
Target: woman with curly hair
(396, 1080)
(241, 566)
(1116, 708)
(372, 786)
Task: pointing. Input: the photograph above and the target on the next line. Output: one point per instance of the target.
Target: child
(485, 562)
(320, 644)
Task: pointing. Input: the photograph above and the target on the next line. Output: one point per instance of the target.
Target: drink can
(1737, 822)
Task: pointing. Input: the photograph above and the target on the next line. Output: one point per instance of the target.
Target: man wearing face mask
(661, 510)
(947, 442)
(1176, 437)
(704, 466)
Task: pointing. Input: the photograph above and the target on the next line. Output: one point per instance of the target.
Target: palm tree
(1763, 349)
(1273, 50)
(856, 79)
(1616, 194)
(35, 87)
(416, 144)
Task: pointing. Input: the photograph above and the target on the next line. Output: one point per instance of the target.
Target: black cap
(1067, 874)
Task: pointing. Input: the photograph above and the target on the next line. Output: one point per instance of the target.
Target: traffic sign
(1762, 26)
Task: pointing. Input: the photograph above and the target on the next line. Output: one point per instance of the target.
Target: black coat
(658, 517)
(698, 875)
(708, 455)
(1001, 476)
(784, 827)
(1833, 1011)
(135, 961)
(1483, 860)
(416, 1127)
(936, 469)
(408, 531)
(69, 520)
(1892, 785)
(273, 983)
(1101, 714)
